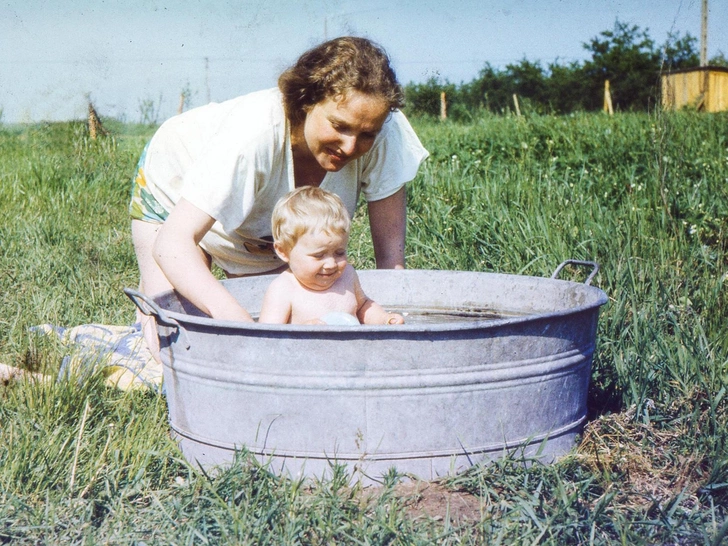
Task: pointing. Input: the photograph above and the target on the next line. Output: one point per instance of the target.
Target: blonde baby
(311, 233)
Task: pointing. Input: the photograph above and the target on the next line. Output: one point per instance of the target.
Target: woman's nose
(348, 145)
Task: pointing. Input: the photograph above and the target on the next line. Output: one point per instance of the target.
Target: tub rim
(150, 306)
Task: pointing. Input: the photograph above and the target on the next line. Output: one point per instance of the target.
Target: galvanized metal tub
(429, 398)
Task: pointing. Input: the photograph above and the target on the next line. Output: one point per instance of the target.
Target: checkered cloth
(120, 350)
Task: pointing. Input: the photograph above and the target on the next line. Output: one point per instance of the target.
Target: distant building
(704, 88)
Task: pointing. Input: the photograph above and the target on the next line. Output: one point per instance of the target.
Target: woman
(209, 178)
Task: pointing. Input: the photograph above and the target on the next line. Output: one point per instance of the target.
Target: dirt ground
(433, 500)
(639, 457)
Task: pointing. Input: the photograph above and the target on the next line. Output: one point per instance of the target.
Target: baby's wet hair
(308, 209)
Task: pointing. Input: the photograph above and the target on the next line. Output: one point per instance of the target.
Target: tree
(680, 52)
(626, 57)
(527, 79)
(424, 98)
(567, 88)
(719, 60)
(490, 90)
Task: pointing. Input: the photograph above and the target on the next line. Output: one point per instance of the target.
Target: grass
(645, 196)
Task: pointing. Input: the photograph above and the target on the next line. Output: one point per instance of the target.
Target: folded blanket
(120, 350)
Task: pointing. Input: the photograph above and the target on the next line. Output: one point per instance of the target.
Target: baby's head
(308, 209)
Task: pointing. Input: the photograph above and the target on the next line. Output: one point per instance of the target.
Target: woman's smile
(342, 130)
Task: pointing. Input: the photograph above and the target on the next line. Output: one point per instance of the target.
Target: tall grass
(65, 239)
(645, 196)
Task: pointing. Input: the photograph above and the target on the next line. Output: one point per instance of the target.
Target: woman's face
(339, 131)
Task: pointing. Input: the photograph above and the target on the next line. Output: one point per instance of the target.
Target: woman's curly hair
(332, 69)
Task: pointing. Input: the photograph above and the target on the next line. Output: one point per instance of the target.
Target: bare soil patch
(434, 500)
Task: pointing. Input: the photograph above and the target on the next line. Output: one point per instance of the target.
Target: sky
(138, 56)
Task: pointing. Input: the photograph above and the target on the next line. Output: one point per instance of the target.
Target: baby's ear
(282, 254)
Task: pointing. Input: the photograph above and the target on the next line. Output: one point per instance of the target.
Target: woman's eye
(341, 128)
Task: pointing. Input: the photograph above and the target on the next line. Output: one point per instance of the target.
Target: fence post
(515, 103)
(443, 106)
(608, 99)
(95, 127)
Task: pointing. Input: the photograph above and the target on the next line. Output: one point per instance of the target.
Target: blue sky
(126, 52)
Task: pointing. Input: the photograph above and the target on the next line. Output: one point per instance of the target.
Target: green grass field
(645, 196)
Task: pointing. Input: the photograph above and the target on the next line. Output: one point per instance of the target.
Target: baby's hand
(394, 318)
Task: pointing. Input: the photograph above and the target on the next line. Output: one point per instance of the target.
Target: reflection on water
(439, 316)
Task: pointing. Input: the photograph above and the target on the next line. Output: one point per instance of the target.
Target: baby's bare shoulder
(350, 272)
(282, 281)
(349, 277)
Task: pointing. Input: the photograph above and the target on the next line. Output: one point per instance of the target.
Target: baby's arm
(276, 307)
(369, 311)
(373, 313)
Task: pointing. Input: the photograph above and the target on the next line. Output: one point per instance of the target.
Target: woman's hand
(186, 266)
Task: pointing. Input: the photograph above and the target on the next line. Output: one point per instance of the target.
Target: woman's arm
(388, 226)
(177, 252)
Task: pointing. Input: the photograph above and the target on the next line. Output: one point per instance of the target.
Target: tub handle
(147, 306)
(593, 265)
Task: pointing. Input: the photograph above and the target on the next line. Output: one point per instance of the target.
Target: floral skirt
(143, 205)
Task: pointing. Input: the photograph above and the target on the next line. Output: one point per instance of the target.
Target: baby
(310, 233)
